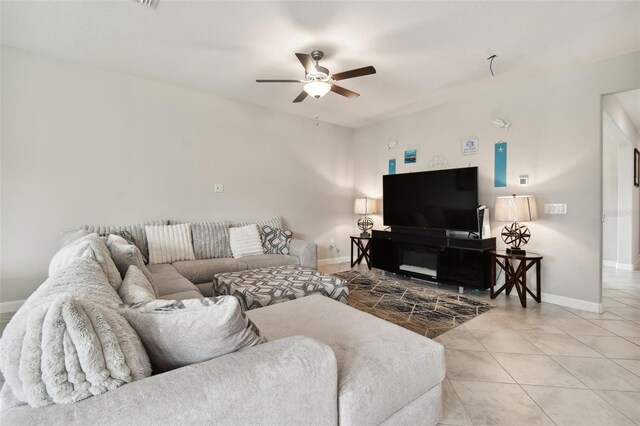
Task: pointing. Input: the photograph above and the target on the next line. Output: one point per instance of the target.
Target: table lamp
(365, 206)
(516, 208)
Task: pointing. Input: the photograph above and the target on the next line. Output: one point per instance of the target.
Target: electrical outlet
(218, 187)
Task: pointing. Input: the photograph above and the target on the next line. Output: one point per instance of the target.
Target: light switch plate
(218, 187)
(555, 209)
(523, 179)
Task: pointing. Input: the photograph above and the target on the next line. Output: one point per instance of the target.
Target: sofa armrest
(307, 253)
(287, 381)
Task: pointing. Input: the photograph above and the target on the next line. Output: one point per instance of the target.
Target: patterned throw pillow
(193, 330)
(276, 240)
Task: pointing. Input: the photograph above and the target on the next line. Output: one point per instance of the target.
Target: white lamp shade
(317, 89)
(520, 208)
(365, 206)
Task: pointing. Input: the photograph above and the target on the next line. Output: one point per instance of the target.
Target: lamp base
(516, 251)
(365, 235)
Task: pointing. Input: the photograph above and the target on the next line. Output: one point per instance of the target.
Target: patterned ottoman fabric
(266, 286)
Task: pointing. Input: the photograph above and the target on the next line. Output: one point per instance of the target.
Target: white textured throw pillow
(169, 243)
(135, 287)
(245, 241)
(177, 333)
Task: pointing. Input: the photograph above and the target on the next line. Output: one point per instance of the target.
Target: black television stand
(435, 257)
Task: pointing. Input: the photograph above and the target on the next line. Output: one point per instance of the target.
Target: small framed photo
(636, 167)
(470, 147)
(410, 156)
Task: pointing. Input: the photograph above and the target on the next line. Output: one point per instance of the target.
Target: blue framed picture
(392, 166)
(410, 156)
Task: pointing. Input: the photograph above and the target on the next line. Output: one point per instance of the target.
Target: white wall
(619, 128)
(84, 145)
(610, 200)
(555, 139)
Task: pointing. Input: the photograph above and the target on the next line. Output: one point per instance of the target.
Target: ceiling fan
(318, 81)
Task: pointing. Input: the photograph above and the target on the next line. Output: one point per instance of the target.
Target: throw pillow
(274, 222)
(91, 246)
(210, 240)
(276, 240)
(169, 243)
(135, 287)
(193, 330)
(245, 241)
(124, 255)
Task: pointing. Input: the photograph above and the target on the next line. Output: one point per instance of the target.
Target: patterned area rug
(411, 305)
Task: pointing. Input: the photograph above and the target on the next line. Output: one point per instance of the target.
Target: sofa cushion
(276, 240)
(202, 271)
(245, 241)
(382, 367)
(267, 260)
(183, 295)
(135, 287)
(167, 280)
(137, 232)
(193, 331)
(169, 243)
(211, 240)
(124, 255)
(91, 246)
(206, 289)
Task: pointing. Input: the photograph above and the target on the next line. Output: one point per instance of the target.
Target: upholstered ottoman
(256, 288)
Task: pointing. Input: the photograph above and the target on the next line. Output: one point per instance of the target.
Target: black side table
(363, 250)
(515, 276)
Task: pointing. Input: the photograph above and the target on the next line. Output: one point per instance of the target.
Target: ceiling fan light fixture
(317, 89)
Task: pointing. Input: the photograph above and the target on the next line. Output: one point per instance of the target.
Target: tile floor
(546, 365)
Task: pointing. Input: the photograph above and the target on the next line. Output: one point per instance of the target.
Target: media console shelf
(459, 261)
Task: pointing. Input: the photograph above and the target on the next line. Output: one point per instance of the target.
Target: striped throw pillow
(169, 243)
(245, 241)
(210, 240)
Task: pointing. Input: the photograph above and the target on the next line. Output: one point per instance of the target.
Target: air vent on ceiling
(150, 3)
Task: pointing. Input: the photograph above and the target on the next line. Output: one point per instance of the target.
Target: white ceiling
(426, 53)
(630, 102)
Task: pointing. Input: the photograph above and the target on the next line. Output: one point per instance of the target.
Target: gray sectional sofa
(324, 363)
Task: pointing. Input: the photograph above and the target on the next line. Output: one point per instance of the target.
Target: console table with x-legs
(363, 250)
(515, 268)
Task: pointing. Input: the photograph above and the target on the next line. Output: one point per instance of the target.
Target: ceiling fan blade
(307, 63)
(344, 92)
(354, 73)
(300, 97)
(277, 81)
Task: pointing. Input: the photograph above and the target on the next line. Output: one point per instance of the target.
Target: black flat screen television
(439, 199)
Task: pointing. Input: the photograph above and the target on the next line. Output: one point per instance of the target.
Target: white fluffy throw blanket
(67, 342)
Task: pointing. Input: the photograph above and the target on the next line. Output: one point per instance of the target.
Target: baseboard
(609, 263)
(569, 302)
(625, 266)
(622, 266)
(334, 260)
(11, 306)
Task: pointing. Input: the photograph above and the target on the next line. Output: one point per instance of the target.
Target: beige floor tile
(560, 344)
(634, 302)
(532, 323)
(505, 341)
(610, 303)
(628, 313)
(632, 365)
(621, 328)
(611, 346)
(573, 407)
(499, 404)
(459, 339)
(580, 326)
(453, 411)
(487, 322)
(635, 340)
(537, 370)
(601, 374)
(471, 365)
(628, 403)
(613, 293)
(594, 315)
(632, 291)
